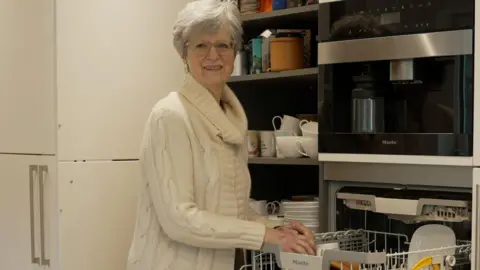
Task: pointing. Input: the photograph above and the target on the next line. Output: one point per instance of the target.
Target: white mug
(267, 144)
(280, 133)
(287, 122)
(263, 208)
(274, 207)
(260, 207)
(307, 152)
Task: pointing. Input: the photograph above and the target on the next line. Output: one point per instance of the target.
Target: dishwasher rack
(362, 249)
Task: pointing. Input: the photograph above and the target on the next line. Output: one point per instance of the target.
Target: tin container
(253, 143)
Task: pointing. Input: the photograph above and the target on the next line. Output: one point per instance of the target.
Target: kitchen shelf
(283, 161)
(306, 74)
(284, 18)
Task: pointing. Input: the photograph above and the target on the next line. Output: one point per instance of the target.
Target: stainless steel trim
(43, 169)
(458, 42)
(31, 171)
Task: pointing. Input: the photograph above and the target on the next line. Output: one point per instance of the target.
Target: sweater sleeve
(167, 164)
(250, 213)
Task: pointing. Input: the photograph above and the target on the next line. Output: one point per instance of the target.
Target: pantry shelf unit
(284, 18)
(305, 74)
(282, 161)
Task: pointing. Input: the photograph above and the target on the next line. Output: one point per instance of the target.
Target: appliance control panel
(396, 17)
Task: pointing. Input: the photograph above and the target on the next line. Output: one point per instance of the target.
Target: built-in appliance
(396, 77)
(390, 216)
(390, 227)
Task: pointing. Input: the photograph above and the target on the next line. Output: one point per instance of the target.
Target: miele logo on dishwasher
(389, 142)
(297, 262)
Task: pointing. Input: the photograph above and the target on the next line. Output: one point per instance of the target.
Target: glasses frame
(211, 45)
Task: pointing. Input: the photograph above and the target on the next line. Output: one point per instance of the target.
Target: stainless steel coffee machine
(396, 77)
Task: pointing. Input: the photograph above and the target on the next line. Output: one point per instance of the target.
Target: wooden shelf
(283, 161)
(309, 74)
(284, 18)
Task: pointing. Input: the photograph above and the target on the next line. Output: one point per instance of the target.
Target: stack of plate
(306, 212)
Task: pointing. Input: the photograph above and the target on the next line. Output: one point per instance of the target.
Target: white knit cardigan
(193, 206)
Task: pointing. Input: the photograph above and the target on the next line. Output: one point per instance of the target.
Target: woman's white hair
(206, 17)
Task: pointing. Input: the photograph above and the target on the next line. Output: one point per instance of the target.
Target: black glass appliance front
(396, 77)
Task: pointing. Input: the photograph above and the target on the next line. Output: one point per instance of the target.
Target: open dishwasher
(385, 228)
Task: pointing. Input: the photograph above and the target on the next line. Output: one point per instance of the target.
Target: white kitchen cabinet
(115, 61)
(27, 82)
(28, 238)
(475, 220)
(98, 205)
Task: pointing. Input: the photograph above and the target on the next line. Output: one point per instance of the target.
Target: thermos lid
(360, 93)
(289, 34)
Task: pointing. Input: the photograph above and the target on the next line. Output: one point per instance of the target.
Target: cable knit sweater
(193, 206)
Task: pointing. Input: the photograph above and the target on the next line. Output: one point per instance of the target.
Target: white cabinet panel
(27, 102)
(115, 60)
(475, 220)
(98, 206)
(27, 207)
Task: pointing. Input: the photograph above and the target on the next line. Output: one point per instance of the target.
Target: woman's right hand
(290, 242)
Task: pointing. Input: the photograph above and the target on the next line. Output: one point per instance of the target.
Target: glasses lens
(203, 48)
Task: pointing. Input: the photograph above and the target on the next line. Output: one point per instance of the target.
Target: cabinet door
(98, 202)
(475, 220)
(27, 102)
(23, 207)
(115, 61)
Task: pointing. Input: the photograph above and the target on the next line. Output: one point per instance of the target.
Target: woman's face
(210, 58)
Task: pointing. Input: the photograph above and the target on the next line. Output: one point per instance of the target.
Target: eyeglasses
(203, 48)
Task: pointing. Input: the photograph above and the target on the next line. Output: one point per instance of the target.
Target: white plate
(432, 236)
(301, 209)
(309, 204)
(300, 202)
(302, 216)
(303, 222)
(301, 213)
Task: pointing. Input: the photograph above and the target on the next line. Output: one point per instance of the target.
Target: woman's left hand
(296, 227)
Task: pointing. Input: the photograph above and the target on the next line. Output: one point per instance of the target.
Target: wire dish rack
(359, 250)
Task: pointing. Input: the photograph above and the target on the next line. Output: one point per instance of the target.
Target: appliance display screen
(390, 18)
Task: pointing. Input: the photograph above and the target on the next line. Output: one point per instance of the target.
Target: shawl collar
(231, 125)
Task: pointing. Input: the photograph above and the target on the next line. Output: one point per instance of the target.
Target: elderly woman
(193, 208)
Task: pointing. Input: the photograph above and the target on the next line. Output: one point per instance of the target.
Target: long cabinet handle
(435, 44)
(43, 169)
(33, 170)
